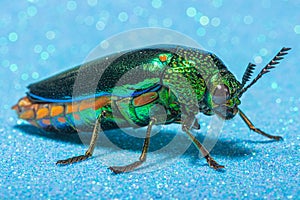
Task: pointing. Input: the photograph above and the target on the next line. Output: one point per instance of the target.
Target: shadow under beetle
(160, 84)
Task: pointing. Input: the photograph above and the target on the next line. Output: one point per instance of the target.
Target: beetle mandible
(52, 105)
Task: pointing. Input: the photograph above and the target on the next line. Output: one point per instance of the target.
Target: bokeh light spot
(123, 16)
(211, 42)
(44, 55)
(204, 20)
(104, 44)
(138, 11)
(248, 19)
(92, 2)
(215, 21)
(258, 59)
(274, 85)
(31, 11)
(156, 3)
(35, 75)
(191, 11)
(24, 77)
(167, 22)
(13, 67)
(50, 35)
(100, 25)
(71, 5)
(51, 48)
(297, 29)
(201, 31)
(263, 51)
(217, 3)
(89, 20)
(37, 48)
(13, 36)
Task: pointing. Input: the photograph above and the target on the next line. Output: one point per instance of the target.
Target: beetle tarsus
(132, 166)
(72, 160)
(91, 148)
(212, 163)
(275, 137)
(278, 138)
(126, 168)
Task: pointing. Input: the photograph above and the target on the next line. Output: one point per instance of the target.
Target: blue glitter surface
(39, 38)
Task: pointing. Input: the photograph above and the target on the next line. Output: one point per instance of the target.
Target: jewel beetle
(132, 88)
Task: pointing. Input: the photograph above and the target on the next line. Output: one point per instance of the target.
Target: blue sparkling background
(39, 38)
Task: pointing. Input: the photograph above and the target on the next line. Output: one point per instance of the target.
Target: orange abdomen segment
(59, 116)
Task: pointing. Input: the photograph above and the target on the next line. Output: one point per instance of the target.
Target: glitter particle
(204, 20)
(13, 36)
(191, 11)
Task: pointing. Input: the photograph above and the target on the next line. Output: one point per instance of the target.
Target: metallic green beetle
(159, 84)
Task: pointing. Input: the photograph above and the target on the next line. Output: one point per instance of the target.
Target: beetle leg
(92, 145)
(132, 166)
(253, 128)
(211, 162)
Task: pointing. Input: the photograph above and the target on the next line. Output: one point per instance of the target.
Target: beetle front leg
(253, 128)
(132, 166)
(92, 145)
(211, 162)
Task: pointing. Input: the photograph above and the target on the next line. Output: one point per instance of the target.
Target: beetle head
(225, 90)
(221, 96)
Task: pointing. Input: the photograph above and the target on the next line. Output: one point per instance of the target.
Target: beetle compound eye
(221, 94)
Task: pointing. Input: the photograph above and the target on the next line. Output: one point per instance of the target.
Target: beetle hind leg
(132, 166)
(91, 148)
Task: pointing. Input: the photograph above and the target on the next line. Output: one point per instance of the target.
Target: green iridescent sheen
(184, 79)
(188, 78)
